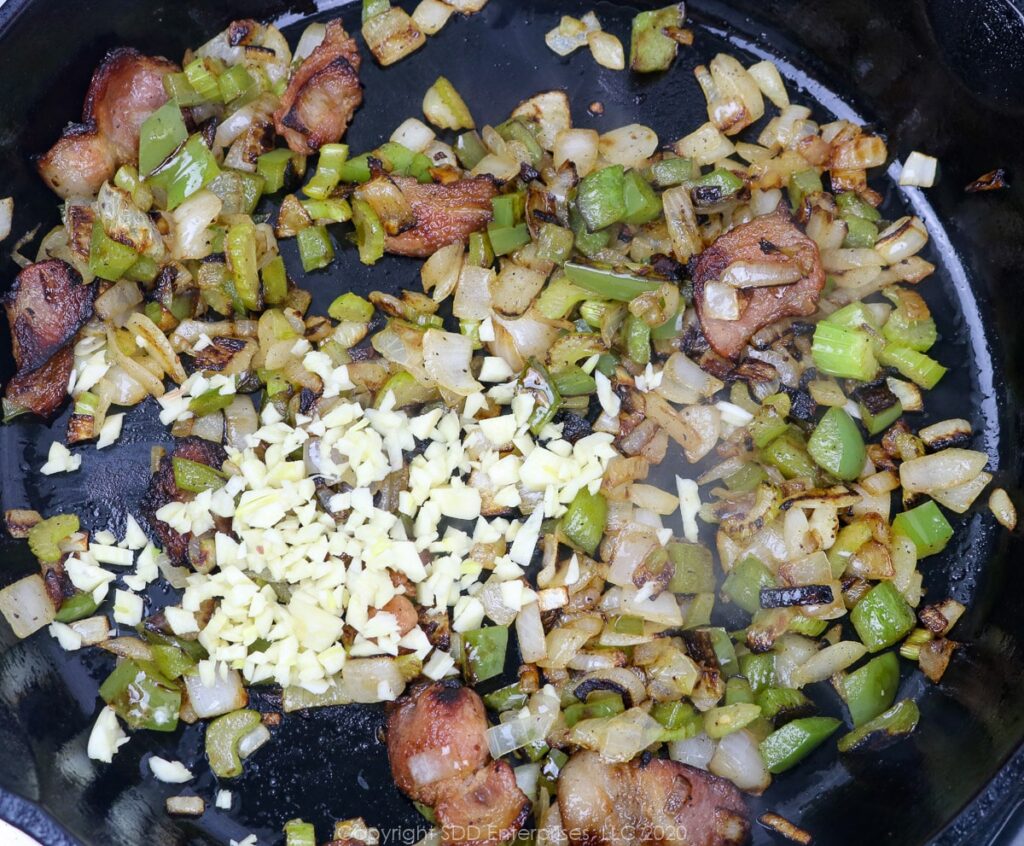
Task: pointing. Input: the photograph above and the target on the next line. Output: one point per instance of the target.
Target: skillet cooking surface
(330, 764)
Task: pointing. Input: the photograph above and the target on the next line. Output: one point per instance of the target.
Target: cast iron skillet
(943, 76)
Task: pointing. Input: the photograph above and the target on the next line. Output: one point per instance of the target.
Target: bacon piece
(648, 801)
(323, 94)
(434, 734)
(484, 809)
(444, 213)
(162, 490)
(769, 239)
(46, 306)
(126, 88)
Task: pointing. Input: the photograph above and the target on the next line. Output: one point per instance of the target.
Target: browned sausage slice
(769, 239)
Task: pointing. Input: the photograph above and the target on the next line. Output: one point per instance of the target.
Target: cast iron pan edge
(833, 41)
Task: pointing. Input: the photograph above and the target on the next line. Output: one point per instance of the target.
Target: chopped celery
(786, 747)
(240, 247)
(315, 248)
(223, 736)
(926, 526)
(234, 82)
(297, 832)
(372, 8)
(179, 90)
(275, 281)
(370, 235)
(737, 691)
(480, 252)
(335, 210)
(680, 719)
(518, 130)
(853, 316)
(202, 77)
(328, 171)
(444, 107)
(914, 365)
(470, 149)
(583, 524)
(555, 243)
(836, 445)
(846, 353)
(882, 617)
(273, 167)
(560, 296)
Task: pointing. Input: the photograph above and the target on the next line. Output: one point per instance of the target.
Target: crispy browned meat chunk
(435, 733)
(484, 809)
(323, 94)
(46, 306)
(444, 214)
(126, 88)
(41, 391)
(769, 239)
(162, 490)
(653, 801)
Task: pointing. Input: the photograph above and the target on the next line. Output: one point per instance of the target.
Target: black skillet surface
(942, 76)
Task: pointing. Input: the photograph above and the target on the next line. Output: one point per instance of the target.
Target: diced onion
(225, 695)
(694, 751)
(579, 146)
(392, 35)
(745, 274)
(607, 50)
(530, 632)
(414, 134)
(432, 15)
(738, 758)
(620, 738)
(630, 146)
(681, 220)
(705, 145)
(901, 239)
(941, 470)
(549, 112)
(253, 741)
(919, 170)
(962, 497)
(311, 38)
(26, 606)
(683, 381)
(1003, 509)
(828, 662)
(767, 77)
(192, 221)
(116, 303)
(721, 302)
(6, 216)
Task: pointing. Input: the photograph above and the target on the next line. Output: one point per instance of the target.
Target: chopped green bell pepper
(470, 149)
(209, 402)
(275, 281)
(789, 454)
(871, 689)
(759, 670)
(836, 445)
(573, 381)
(599, 705)
(109, 259)
(744, 582)
(194, 476)
(883, 730)
(860, 232)
(802, 183)
(142, 697)
(782, 704)
(507, 239)
(882, 617)
(583, 523)
(650, 49)
(508, 698)
(725, 719)
(78, 606)
(694, 568)
(483, 653)
(600, 197)
(671, 171)
(642, 203)
(161, 134)
(850, 205)
(188, 171)
(609, 283)
(786, 747)
(926, 526)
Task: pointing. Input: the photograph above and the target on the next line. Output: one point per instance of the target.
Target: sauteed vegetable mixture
(416, 499)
